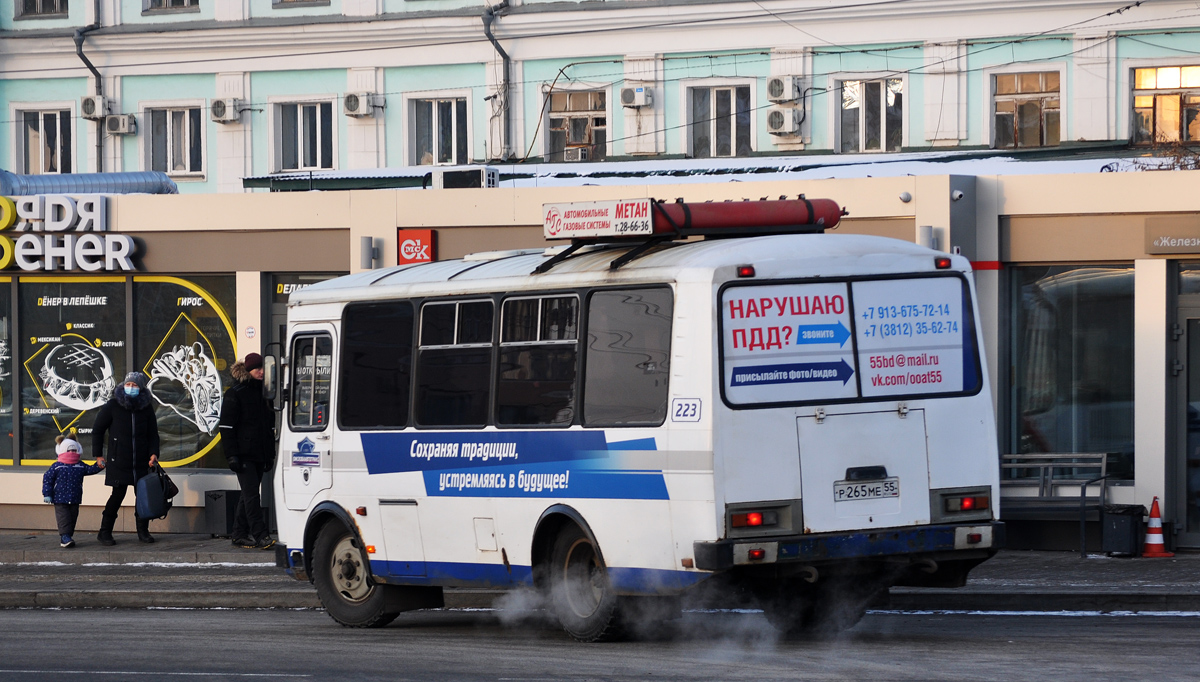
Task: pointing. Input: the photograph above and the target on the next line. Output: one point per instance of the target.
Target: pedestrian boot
(106, 527)
(143, 530)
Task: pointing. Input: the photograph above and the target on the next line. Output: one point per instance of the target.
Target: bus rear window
(628, 357)
(822, 342)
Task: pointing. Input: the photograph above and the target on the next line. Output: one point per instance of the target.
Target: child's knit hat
(68, 449)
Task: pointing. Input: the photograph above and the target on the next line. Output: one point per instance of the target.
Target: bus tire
(580, 592)
(344, 584)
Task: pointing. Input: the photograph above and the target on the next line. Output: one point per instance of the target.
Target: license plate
(845, 491)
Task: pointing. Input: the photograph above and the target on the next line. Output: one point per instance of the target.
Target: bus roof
(814, 255)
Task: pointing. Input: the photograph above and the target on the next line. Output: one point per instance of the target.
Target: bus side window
(454, 363)
(376, 365)
(628, 357)
(539, 343)
(311, 375)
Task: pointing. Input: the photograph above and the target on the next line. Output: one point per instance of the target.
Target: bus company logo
(305, 454)
(553, 222)
(415, 246)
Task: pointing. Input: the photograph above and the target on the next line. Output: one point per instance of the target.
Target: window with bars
(872, 116)
(1026, 109)
(440, 132)
(305, 135)
(1166, 105)
(578, 126)
(719, 121)
(45, 142)
(41, 8)
(175, 141)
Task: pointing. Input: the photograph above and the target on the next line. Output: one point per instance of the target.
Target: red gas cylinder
(745, 214)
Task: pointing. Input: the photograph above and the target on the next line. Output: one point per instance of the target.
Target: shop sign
(416, 246)
(1176, 234)
(624, 218)
(50, 223)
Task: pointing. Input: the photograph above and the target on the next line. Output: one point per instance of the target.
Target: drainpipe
(79, 33)
(489, 15)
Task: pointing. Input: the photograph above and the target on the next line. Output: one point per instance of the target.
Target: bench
(1061, 484)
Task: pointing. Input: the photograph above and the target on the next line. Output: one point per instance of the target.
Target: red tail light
(967, 503)
(754, 519)
(941, 262)
(756, 554)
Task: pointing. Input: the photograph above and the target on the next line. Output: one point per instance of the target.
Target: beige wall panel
(456, 242)
(1129, 192)
(1071, 238)
(894, 228)
(268, 251)
(255, 211)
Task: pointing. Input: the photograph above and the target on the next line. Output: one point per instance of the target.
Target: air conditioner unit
(637, 96)
(94, 107)
(464, 178)
(782, 121)
(360, 103)
(575, 154)
(783, 89)
(121, 124)
(226, 110)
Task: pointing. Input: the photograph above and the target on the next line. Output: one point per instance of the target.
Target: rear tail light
(967, 503)
(745, 271)
(754, 519)
(756, 554)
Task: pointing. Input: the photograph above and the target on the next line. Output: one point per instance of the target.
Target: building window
(172, 4)
(306, 136)
(41, 8)
(1072, 359)
(46, 142)
(578, 126)
(872, 115)
(175, 141)
(1166, 105)
(1026, 109)
(719, 121)
(440, 132)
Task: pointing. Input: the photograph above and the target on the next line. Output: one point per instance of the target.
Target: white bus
(800, 417)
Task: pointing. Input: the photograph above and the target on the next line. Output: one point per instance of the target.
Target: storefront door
(1187, 369)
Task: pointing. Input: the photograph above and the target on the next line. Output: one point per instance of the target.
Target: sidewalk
(197, 571)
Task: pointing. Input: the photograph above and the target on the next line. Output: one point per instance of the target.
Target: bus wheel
(580, 592)
(343, 583)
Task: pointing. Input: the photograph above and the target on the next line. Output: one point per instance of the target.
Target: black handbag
(154, 492)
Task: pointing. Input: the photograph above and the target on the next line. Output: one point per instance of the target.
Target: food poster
(787, 343)
(912, 335)
(72, 357)
(184, 331)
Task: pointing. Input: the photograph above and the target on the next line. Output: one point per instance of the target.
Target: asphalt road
(86, 644)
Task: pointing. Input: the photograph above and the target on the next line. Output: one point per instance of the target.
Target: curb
(303, 597)
(66, 556)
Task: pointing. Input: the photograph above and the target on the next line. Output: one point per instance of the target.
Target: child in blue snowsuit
(62, 486)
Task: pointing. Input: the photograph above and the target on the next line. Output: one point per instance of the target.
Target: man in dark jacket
(128, 426)
(248, 434)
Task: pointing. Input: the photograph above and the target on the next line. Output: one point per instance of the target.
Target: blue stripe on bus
(625, 580)
(558, 464)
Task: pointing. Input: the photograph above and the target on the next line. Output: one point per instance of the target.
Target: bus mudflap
(834, 547)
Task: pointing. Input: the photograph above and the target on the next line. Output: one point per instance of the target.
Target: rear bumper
(834, 547)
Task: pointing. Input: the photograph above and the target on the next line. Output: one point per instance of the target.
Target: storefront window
(1072, 350)
(73, 353)
(6, 378)
(184, 343)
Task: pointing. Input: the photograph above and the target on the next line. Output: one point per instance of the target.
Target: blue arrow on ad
(798, 373)
(822, 333)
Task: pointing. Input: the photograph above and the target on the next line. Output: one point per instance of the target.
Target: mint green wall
(265, 85)
(47, 90)
(140, 92)
(601, 70)
(131, 13)
(8, 20)
(265, 8)
(400, 81)
(397, 6)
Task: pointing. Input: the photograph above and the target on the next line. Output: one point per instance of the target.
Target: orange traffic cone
(1154, 537)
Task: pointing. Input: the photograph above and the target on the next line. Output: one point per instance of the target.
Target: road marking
(155, 673)
(1064, 614)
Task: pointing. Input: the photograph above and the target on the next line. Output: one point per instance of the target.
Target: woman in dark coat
(129, 427)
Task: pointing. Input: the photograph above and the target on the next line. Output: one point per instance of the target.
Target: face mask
(132, 391)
